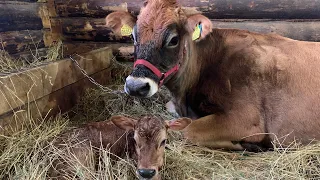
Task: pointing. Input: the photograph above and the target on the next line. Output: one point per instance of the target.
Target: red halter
(156, 71)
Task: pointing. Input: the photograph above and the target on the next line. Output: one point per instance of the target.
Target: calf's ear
(123, 122)
(179, 124)
(121, 23)
(198, 27)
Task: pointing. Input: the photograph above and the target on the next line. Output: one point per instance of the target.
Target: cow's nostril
(147, 173)
(144, 90)
(137, 88)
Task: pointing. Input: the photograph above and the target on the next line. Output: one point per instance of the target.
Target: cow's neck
(197, 56)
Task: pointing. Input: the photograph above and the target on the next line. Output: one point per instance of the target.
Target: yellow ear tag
(197, 32)
(126, 30)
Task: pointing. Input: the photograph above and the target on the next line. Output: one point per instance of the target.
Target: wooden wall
(22, 26)
(32, 24)
(83, 20)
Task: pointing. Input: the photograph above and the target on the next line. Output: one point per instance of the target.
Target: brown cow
(243, 87)
(143, 140)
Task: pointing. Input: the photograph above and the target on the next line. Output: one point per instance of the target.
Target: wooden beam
(94, 8)
(88, 29)
(60, 101)
(215, 9)
(21, 41)
(20, 89)
(15, 16)
(92, 29)
(32, 55)
(79, 47)
(301, 30)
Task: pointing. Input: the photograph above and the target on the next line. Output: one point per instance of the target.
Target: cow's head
(150, 135)
(162, 37)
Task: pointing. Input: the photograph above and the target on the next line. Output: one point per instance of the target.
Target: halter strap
(156, 71)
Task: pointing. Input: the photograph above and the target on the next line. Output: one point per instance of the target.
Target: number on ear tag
(126, 30)
(197, 32)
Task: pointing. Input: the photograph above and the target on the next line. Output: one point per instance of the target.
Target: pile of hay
(29, 153)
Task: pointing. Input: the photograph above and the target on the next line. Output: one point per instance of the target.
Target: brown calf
(243, 87)
(143, 140)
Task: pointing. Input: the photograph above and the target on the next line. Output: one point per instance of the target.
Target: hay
(9, 64)
(29, 153)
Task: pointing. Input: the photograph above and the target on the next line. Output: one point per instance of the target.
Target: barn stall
(47, 93)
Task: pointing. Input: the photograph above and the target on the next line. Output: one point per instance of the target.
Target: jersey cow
(143, 140)
(242, 87)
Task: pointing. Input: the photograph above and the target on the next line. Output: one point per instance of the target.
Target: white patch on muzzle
(153, 85)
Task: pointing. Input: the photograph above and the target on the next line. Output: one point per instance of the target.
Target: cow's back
(286, 79)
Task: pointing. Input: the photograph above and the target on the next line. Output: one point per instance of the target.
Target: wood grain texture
(21, 41)
(15, 16)
(216, 9)
(88, 29)
(60, 101)
(92, 29)
(19, 89)
(299, 30)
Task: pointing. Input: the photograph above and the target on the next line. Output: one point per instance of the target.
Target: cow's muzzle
(144, 86)
(140, 86)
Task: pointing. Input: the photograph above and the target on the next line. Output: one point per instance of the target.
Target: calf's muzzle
(147, 173)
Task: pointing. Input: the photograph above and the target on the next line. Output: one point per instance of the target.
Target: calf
(143, 140)
(242, 87)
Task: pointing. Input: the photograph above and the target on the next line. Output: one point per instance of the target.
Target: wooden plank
(215, 9)
(60, 101)
(32, 55)
(92, 29)
(94, 8)
(24, 0)
(306, 31)
(15, 16)
(22, 88)
(79, 47)
(89, 29)
(21, 41)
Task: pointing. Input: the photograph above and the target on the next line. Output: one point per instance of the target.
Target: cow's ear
(123, 122)
(121, 23)
(178, 124)
(198, 26)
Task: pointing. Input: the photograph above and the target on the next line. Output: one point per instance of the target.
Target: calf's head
(150, 135)
(162, 34)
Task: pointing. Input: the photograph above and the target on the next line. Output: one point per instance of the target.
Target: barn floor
(28, 154)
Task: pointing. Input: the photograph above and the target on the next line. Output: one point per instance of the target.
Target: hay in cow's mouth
(28, 154)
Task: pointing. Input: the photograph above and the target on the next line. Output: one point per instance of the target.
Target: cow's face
(161, 35)
(150, 135)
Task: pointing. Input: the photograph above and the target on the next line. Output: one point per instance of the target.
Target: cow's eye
(163, 143)
(173, 42)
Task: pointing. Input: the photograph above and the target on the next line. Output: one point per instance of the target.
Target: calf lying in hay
(143, 140)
